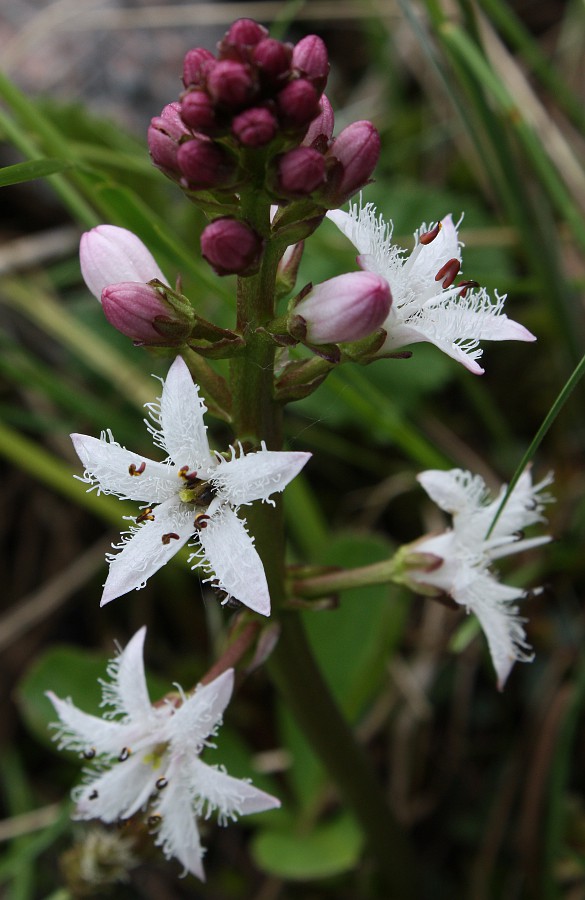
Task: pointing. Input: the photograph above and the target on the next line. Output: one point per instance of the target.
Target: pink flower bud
(320, 130)
(298, 103)
(205, 164)
(132, 309)
(311, 60)
(273, 59)
(356, 149)
(196, 65)
(164, 133)
(197, 111)
(230, 83)
(254, 127)
(231, 247)
(109, 255)
(243, 33)
(346, 308)
(300, 171)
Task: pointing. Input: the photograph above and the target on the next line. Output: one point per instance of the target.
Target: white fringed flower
(197, 492)
(147, 758)
(459, 559)
(426, 306)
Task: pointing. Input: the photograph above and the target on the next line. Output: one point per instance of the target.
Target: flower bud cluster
(261, 94)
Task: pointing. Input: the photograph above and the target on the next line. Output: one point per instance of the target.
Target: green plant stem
(257, 416)
(345, 579)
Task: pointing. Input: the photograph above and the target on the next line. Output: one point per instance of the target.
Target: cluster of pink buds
(256, 111)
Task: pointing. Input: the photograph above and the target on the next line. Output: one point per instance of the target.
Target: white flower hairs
(146, 758)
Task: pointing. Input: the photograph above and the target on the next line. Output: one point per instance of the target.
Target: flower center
(195, 490)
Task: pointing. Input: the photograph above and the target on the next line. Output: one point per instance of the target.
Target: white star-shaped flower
(197, 492)
(147, 758)
(426, 305)
(460, 558)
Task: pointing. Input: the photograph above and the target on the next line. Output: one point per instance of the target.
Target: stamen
(430, 236)
(154, 820)
(161, 783)
(186, 475)
(466, 285)
(132, 470)
(448, 272)
(126, 751)
(166, 538)
(201, 520)
(89, 753)
(94, 795)
(145, 516)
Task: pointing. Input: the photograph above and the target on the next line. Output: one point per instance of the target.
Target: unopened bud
(230, 84)
(231, 247)
(135, 309)
(242, 34)
(205, 164)
(298, 103)
(356, 150)
(311, 60)
(345, 308)
(273, 59)
(254, 127)
(109, 254)
(300, 171)
(197, 111)
(196, 65)
(320, 131)
(288, 267)
(164, 133)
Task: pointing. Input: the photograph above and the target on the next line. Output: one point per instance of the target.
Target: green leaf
(28, 171)
(327, 850)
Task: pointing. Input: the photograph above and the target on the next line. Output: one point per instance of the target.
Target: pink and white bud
(254, 127)
(196, 66)
(357, 150)
(231, 247)
(230, 84)
(272, 58)
(300, 171)
(198, 111)
(133, 308)
(310, 58)
(298, 103)
(345, 308)
(110, 255)
(205, 164)
(320, 131)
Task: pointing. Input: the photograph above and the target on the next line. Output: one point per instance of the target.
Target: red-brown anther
(133, 470)
(197, 111)
(171, 535)
(429, 236)
(230, 83)
(298, 103)
(196, 65)
(272, 58)
(466, 286)
(254, 127)
(189, 477)
(145, 516)
(201, 520)
(448, 272)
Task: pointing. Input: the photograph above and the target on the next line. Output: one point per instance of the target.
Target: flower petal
(81, 732)
(109, 254)
(456, 491)
(183, 430)
(117, 793)
(127, 691)
(232, 797)
(109, 466)
(256, 476)
(177, 834)
(144, 549)
(199, 715)
(230, 552)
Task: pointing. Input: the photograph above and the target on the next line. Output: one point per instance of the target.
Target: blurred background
(480, 108)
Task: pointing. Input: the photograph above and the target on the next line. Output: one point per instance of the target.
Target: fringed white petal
(109, 467)
(116, 793)
(127, 692)
(456, 491)
(83, 733)
(231, 555)
(146, 548)
(183, 431)
(177, 833)
(256, 476)
(199, 716)
(214, 789)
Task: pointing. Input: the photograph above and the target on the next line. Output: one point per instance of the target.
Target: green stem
(345, 579)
